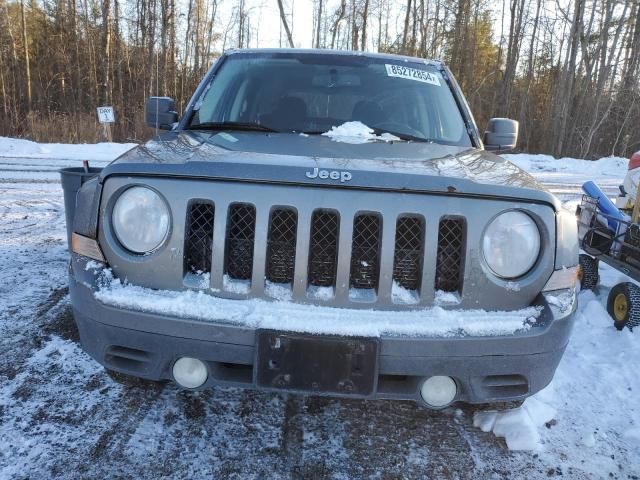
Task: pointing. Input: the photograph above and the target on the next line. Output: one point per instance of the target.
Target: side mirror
(501, 135)
(161, 112)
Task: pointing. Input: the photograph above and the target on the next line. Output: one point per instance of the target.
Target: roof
(322, 51)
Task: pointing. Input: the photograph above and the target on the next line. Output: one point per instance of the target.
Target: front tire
(623, 305)
(589, 276)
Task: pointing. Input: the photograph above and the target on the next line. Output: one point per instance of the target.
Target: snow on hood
(357, 133)
(282, 315)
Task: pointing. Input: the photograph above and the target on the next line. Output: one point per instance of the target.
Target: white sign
(412, 74)
(106, 115)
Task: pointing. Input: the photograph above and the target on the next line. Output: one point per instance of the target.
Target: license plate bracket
(318, 364)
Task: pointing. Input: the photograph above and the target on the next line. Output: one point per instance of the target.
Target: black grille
(198, 244)
(323, 248)
(281, 246)
(407, 260)
(449, 269)
(365, 251)
(241, 232)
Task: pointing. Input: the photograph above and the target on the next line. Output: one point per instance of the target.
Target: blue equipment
(606, 206)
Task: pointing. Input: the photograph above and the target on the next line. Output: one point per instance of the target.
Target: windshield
(311, 93)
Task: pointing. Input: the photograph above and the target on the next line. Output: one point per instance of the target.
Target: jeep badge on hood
(343, 176)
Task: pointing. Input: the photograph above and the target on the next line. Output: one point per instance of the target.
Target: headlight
(140, 220)
(511, 244)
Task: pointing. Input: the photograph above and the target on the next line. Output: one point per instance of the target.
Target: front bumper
(486, 369)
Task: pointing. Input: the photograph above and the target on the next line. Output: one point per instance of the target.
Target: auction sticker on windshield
(412, 74)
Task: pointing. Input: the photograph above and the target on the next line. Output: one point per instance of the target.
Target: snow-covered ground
(25, 149)
(61, 416)
(23, 161)
(565, 176)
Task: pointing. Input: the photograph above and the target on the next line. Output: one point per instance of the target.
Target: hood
(319, 161)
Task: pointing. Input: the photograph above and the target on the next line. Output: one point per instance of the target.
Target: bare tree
(569, 72)
(405, 31)
(365, 16)
(319, 24)
(283, 19)
(27, 63)
(339, 16)
(106, 52)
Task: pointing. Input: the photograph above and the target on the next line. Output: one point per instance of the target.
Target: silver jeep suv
(328, 223)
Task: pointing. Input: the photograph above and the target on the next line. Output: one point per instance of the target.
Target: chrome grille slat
(344, 251)
(386, 259)
(219, 240)
(429, 262)
(303, 238)
(260, 250)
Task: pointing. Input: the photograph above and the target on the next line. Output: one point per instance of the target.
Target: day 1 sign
(106, 115)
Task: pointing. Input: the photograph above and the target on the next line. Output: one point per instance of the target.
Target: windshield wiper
(247, 126)
(402, 136)
(379, 131)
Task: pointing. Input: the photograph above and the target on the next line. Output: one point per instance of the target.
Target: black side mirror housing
(501, 135)
(161, 113)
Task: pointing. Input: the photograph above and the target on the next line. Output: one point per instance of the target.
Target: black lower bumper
(486, 369)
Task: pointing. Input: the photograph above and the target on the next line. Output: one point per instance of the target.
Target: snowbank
(17, 148)
(607, 166)
(256, 313)
(593, 397)
(519, 427)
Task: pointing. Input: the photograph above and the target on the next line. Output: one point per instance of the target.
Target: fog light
(438, 391)
(190, 372)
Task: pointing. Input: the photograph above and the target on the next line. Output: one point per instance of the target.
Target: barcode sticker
(409, 73)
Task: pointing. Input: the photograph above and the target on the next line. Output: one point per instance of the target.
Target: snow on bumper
(493, 356)
(287, 316)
